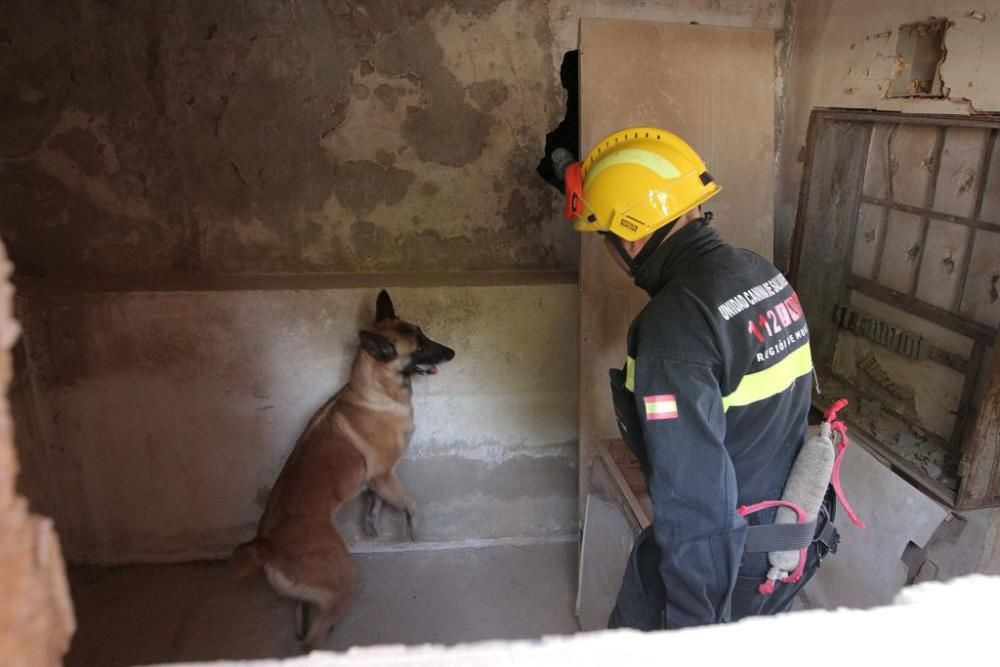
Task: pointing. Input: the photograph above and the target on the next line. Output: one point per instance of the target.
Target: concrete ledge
(284, 281)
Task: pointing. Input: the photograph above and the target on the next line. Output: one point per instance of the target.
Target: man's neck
(675, 254)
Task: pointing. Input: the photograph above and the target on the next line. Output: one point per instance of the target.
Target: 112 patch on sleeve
(663, 406)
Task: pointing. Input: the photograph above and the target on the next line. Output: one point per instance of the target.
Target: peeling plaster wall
(200, 199)
(844, 55)
(301, 136)
(276, 137)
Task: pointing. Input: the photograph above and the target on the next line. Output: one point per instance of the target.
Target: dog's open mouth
(425, 369)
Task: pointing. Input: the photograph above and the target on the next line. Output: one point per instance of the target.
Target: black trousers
(642, 597)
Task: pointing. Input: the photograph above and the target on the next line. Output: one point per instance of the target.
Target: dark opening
(566, 135)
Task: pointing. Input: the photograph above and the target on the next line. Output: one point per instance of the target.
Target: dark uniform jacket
(713, 400)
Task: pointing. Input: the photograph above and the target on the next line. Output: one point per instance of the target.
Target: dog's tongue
(432, 369)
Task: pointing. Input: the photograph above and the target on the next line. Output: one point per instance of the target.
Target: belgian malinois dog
(351, 444)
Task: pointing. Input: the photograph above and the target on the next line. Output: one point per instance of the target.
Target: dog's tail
(250, 556)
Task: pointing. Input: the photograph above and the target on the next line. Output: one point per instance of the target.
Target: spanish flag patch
(663, 406)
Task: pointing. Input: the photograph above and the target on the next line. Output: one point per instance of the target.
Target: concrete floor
(196, 611)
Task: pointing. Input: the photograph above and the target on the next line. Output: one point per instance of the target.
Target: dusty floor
(163, 613)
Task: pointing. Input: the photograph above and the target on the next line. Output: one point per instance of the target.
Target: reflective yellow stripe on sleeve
(630, 374)
(771, 381)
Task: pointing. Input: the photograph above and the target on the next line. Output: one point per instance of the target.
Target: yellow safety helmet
(636, 181)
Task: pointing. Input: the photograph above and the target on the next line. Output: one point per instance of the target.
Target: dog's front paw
(371, 530)
(410, 530)
(371, 516)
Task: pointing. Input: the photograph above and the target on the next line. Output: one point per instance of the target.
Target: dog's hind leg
(303, 615)
(391, 490)
(328, 615)
(371, 516)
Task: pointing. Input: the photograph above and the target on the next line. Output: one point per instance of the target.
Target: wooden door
(714, 87)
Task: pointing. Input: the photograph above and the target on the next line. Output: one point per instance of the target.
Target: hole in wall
(920, 51)
(566, 135)
(949, 264)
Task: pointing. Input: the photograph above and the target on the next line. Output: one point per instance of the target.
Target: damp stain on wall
(261, 137)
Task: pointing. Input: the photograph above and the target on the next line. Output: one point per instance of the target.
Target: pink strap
(840, 427)
(831, 414)
(800, 514)
(842, 443)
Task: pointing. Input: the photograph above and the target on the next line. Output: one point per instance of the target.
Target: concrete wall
(277, 136)
(35, 610)
(843, 54)
(307, 136)
(166, 417)
(200, 200)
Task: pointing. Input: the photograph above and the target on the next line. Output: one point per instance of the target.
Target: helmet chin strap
(655, 239)
(635, 263)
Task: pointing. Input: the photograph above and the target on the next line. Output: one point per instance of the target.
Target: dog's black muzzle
(427, 356)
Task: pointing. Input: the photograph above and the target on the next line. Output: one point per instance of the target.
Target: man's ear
(383, 307)
(381, 348)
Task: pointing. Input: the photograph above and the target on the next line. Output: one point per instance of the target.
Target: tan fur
(353, 441)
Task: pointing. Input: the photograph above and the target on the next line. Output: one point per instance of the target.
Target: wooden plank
(871, 224)
(878, 175)
(981, 297)
(913, 163)
(928, 213)
(925, 310)
(980, 209)
(990, 207)
(960, 171)
(901, 252)
(627, 473)
(822, 248)
(899, 118)
(711, 110)
(942, 263)
(929, 198)
(981, 456)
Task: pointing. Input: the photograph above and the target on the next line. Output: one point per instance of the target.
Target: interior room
(201, 202)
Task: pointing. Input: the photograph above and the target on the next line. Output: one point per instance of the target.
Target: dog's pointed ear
(383, 307)
(381, 348)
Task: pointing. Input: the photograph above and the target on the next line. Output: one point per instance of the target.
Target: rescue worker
(715, 392)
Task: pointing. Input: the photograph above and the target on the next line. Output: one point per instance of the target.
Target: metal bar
(984, 172)
(908, 119)
(937, 315)
(933, 215)
(929, 196)
(965, 404)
